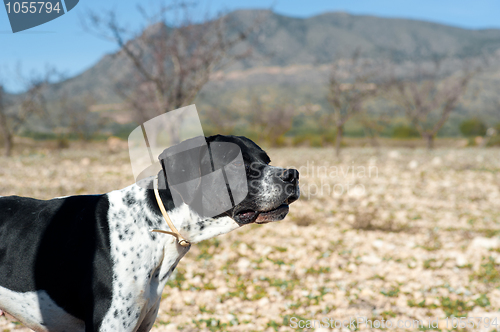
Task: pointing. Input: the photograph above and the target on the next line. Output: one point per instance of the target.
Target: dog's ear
(211, 179)
(227, 157)
(183, 165)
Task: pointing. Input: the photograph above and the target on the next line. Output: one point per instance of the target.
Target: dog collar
(174, 232)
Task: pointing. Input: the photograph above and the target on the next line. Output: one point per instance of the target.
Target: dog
(91, 263)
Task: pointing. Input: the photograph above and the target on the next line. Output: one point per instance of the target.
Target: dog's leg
(117, 323)
(149, 320)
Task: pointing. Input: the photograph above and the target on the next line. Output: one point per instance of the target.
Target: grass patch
(393, 292)
(303, 220)
(366, 222)
(483, 301)
(386, 314)
(211, 324)
(207, 248)
(455, 308)
(422, 304)
(281, 249)
(431, 264)
(283, 284)
(320, 270)
(177, 278)
(488, 272)
(433, 242)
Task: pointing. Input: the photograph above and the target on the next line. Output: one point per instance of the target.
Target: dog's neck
(146, 216)
(193, 227)
(133, 213)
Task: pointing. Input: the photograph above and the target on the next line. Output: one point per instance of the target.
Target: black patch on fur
(61, 246)
(129, 199)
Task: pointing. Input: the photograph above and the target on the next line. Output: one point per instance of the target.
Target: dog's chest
(142, 260)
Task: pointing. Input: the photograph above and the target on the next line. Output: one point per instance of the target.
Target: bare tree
(374, 121)
(172, 60)
(77, 116)
(352, 82)
(17, 110)
(220, 119)
(428, 98)
(271, 119)
(4, 123)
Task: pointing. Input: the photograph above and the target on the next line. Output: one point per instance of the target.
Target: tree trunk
(371, 134)
(429, 139)
(7, 135)
(8, 144)
(375, 144)
(338, 140)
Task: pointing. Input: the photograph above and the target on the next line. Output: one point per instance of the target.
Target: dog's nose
(290, 176)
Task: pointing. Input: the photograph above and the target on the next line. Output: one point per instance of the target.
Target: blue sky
(62, 43)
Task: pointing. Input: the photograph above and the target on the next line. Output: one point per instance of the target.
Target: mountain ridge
(317, 40)
(292, 57)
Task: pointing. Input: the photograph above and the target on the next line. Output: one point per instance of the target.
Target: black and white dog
(91, 263)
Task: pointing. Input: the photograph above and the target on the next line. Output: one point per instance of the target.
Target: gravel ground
(405, 236)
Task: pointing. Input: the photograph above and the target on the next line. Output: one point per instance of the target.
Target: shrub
(473, 127)
(405, 131)
(494, 141)
(299, 140)
(314, 140)
(122, 130)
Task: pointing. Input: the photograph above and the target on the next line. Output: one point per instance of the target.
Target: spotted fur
(146, 258)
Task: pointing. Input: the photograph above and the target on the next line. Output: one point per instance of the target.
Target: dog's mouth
(261, 217)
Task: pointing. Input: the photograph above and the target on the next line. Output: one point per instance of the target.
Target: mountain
(291, 58)
(293, 43)
(322, 38)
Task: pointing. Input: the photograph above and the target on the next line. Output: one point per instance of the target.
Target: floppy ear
(227, 157)
(183, 165)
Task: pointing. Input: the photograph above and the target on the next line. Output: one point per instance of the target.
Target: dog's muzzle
(291, 179)
(274, 202)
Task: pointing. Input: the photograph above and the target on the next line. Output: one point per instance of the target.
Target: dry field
(401, 235)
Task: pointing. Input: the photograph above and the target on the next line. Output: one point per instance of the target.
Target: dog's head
(270, 189)
(262, 193)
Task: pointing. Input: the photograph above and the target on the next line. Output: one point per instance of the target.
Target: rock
(243, 249)
(243, 264)
(366, 292)
(437, 161)
(266, 251)
(484, 242)
(371, 259)
(85, 162)
(413, 164)
(322, 329)
(442, 324)
(116, 144)
(461, 260)
(462, 143)
(394, 154)
(196, 280)
(263, 302)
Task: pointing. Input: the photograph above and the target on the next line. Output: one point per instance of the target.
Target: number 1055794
(32, 7)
